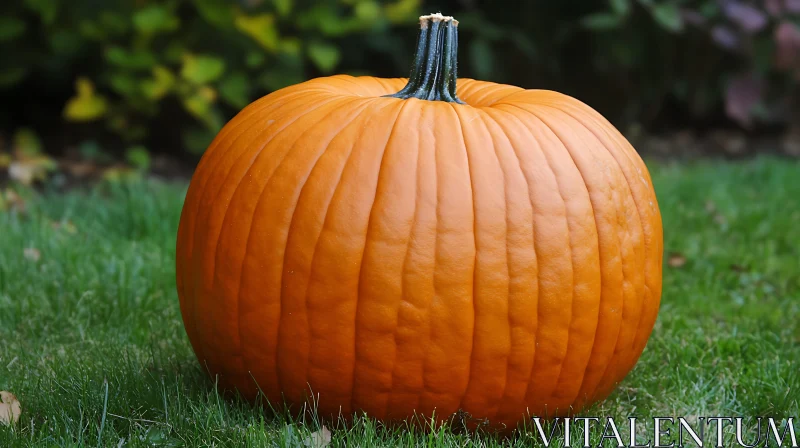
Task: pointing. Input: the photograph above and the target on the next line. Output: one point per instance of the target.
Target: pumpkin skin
(400, 256)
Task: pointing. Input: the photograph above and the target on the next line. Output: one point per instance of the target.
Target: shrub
(677, 62)
(148, 70)
(131, 62)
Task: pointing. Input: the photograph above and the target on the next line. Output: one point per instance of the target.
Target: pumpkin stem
(433, 73)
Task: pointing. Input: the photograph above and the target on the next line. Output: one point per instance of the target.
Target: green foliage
(27, 142)
(261, 28)
(86, 105)
(131, 65)
(155, 19)
(632, 58)
(667, 16)
(734, 52)
(128, 63)
(324, 56)
(138, 157)
(11, 28)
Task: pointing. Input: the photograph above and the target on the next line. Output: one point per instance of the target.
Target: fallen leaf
(676, 259)
(22, 173)
(67, 226)
(318, 439)
(739, 268)
(30, 169)
(80, 168)
(10, 200)
(32, 254)
(10, 409)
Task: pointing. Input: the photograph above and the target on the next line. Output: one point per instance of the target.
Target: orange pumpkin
(455, 246)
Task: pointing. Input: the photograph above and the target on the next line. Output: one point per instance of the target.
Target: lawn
(93, 345)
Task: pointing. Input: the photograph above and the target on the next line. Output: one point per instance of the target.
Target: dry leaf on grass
(32, 254)
(79, 168)
(739, 268)
(27, 171)
(22, 173)
(11, 201)
(10, 409)
(676, 259)
(318, 439)
(67, 226)
(718, 217)
(29, 164)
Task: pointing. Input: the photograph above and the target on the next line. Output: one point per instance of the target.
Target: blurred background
(115, 87)
(107, 106)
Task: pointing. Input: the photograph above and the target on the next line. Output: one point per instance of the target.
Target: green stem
(433, 73)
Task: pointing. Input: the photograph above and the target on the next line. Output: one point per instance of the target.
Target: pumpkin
(456, 246)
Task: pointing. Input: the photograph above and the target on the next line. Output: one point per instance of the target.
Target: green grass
(91, 339)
